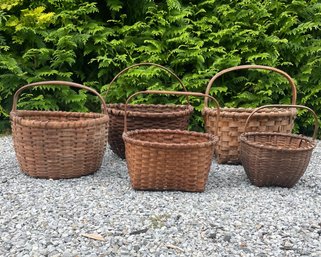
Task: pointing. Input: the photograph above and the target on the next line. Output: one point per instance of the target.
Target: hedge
(90, 42)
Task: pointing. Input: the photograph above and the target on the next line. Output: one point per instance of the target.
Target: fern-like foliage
(90, 42)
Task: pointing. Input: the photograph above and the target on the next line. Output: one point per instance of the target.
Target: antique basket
(232, 120)
(162, 159)
(273, 158)
(141, 116)
(57, 144)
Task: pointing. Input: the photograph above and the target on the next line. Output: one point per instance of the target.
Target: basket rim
(178, 110)
(245, 112)
(212, 140)
(243, 140)
(93, 119)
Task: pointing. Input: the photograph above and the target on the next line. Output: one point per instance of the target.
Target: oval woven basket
(162, 159)
(143, 116)
(276, 159)
(232, 120)
(57, 144)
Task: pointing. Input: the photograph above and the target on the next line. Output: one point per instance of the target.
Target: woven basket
(143, 116)
(232, 120)
(162, 159)
(55, 144)
(276, 159)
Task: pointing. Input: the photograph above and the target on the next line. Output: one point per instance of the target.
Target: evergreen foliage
(89, 42)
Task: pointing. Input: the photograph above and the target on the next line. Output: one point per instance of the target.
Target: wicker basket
(55, 144)
(143, 116)
(232, 120)
(276, 159)
(162, 159)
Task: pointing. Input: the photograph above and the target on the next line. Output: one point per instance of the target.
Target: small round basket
(162, 159)
(276, 159)
(232, 120)
(57, 144)
(143, 116)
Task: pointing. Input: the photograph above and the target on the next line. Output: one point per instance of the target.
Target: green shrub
(90, 42)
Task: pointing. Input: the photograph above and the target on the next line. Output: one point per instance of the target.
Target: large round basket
(232, 120)
(276, 159)
(162, 159)
(56, 144)
(143, 116)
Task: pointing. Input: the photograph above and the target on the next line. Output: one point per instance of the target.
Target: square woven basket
(162, 159)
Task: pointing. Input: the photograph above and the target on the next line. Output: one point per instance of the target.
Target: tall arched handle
(316, 122)
(242, 67)
(60, 83)
(170, 93)
(147, 64)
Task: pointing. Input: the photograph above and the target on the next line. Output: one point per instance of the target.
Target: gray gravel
(231, 218)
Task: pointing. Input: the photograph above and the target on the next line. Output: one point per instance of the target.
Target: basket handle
(242, 67)
(316, 123)
(147, 64)
(61, 83)
(170, 93)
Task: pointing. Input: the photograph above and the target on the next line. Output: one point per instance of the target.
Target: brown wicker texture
(232, 120)
(276, 159)
(143, 116)
(56, 144)
(162, 159)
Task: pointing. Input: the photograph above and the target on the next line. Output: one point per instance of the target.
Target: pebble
(227, 238)
(231, 217)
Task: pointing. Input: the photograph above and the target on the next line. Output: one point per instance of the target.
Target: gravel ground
(231, 218)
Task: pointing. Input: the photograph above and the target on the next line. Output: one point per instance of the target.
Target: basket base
(183, 189)
(67, 175)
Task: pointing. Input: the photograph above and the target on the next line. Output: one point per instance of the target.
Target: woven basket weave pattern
(55, 144)
(276, 159)
(60, 150)
(270, 162)
(231, 126)
(164, 159)
(144, 117)
(175, 167)
(232, 120)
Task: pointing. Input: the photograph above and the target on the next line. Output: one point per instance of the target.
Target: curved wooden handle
(147, 64)
(170, 93)
(60, 83)
(242, 67)
(316, 123)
